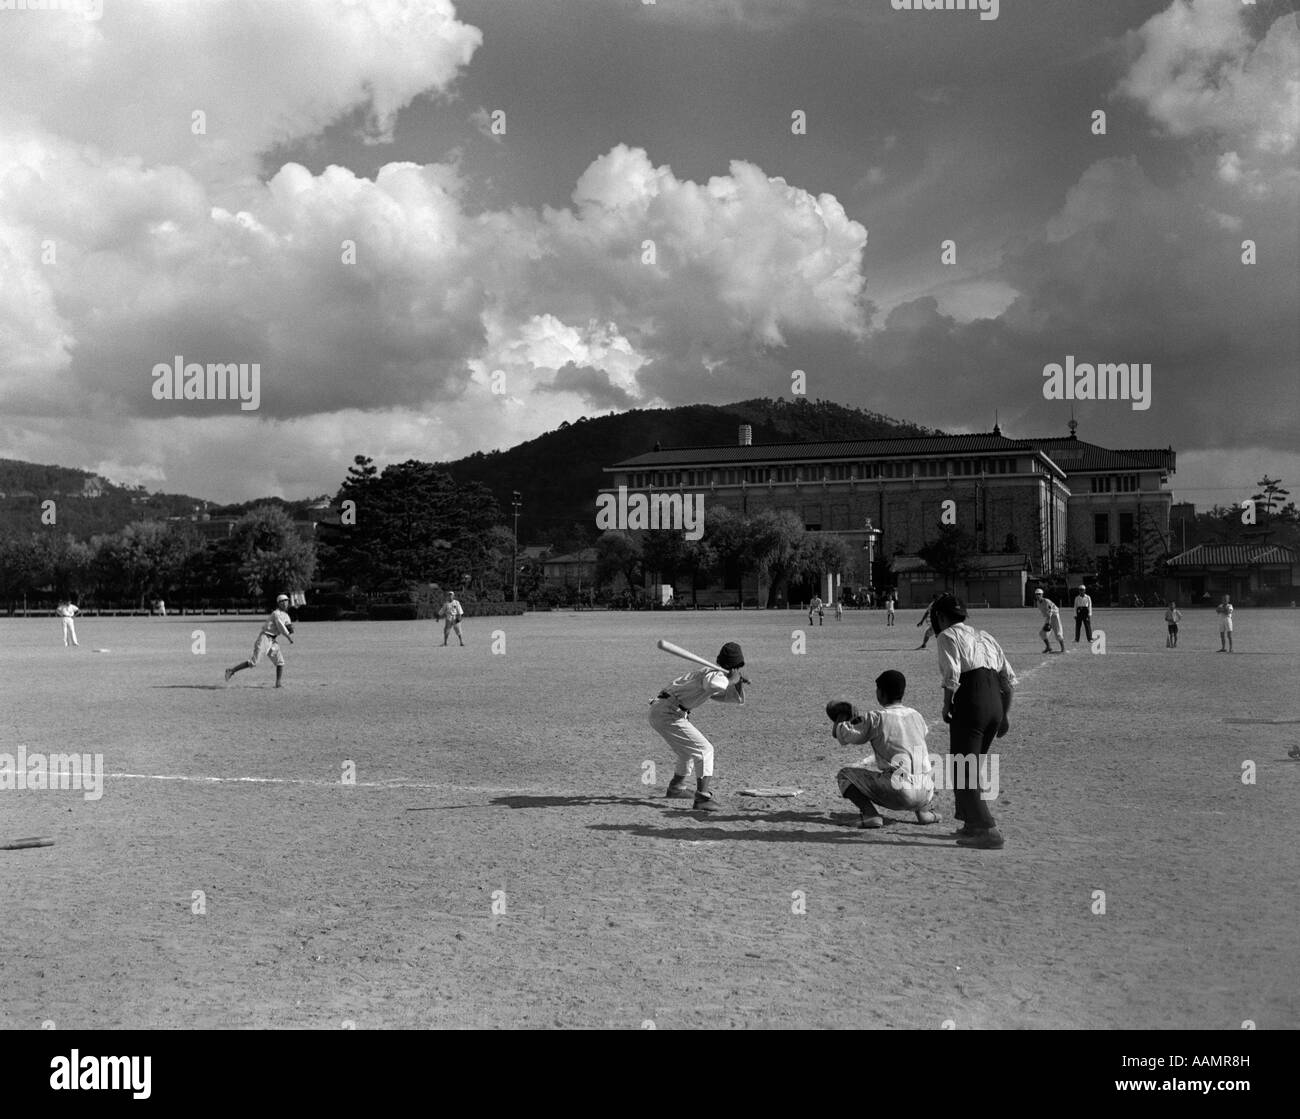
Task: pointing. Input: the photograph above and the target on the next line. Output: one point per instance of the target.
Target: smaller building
(575, 569)
(998, 581)
(1247, 572)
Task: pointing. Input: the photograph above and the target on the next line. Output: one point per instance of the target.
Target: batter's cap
(730, 656)
(282, 598)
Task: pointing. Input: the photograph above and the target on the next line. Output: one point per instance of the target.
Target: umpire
(977, 684)
(1082, 614)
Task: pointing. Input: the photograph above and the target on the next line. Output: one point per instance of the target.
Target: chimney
(746, 435)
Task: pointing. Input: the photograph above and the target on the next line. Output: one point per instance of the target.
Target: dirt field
(372, 903)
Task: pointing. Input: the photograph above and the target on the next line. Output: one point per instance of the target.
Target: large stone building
(1057, 501)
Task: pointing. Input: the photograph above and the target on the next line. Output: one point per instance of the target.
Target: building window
(1101, 528)
(1126, 532)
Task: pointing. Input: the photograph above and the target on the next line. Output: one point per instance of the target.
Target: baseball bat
(686, 654)
(30, 841)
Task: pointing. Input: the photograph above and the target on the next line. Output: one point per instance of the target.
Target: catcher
(897, 773)
(277, 625)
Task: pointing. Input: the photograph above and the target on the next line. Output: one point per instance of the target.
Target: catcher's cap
(730, 656)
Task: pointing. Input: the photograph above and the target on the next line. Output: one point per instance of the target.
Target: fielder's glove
(1046, 628)
(842, 711)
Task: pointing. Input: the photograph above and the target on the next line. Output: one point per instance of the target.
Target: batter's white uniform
(67, 612)
(670, 715)
(275, 627)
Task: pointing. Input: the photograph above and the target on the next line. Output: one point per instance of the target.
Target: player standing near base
(277, 625)
(67, 612)
(670, 715)
(889, 607)
(1051, 621)
(977, 684)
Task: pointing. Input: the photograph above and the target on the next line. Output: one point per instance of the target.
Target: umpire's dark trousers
(1083, 620)
(977, 713)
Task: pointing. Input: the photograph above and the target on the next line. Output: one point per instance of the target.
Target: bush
(392, 611)
(318, 613)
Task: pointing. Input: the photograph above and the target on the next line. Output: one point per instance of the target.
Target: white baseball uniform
(897, 774)
(1051, 614)
(275, 627)
(1225, 617)
(670, 715)
(452, 612)
(67, 612)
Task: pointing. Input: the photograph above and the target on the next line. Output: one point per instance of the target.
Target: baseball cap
(730, 656)
(282, 598)
(1039, 591)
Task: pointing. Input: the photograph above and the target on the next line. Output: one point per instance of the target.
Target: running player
(277, 625)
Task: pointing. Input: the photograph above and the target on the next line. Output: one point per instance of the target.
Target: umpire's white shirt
(962, 648)
(1083, 601)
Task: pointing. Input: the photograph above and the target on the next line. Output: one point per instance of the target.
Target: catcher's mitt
(841, 711)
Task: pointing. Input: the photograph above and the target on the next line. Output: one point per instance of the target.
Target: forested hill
(558, 473)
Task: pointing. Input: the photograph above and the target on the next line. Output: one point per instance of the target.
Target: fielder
(670, 715)
(67, 612)
(451, 613)
(277, 625)
(897, 774)
(839, 610)
(889, 608)
(1051, 620)
(816, 607)
(925, 621)
(1172, 617)
(1224, 610)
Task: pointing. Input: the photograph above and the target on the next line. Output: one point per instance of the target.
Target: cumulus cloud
(262, 74)
(1196, 68)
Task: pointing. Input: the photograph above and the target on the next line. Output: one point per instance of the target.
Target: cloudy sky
(185, 177)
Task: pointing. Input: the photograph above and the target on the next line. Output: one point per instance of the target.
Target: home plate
(786, 791)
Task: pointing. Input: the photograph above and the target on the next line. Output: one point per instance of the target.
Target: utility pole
(515, 502)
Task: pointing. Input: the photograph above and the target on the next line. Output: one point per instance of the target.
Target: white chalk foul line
(318, 783)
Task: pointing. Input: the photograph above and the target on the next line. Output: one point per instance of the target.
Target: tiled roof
(1078, 456)
(1234, 555)
(839, 448)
